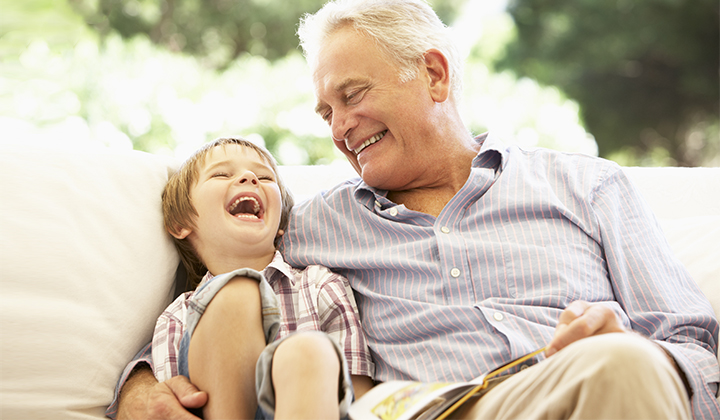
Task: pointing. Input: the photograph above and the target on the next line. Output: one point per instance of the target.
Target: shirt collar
(492, 154)
(277, 266)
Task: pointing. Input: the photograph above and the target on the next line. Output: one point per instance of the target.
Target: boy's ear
(180, 233)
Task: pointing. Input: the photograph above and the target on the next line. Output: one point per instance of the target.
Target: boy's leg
(306, 372)
(304, 376)
(224, 349)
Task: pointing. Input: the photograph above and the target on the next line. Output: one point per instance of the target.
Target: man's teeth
(370, 141)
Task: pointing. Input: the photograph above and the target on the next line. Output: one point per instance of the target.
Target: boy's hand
(143, 397)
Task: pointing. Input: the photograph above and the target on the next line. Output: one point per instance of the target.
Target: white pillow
(86, 269)
(687, 204)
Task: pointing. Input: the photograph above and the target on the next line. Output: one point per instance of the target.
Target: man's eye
(327, 117)
(354, 97)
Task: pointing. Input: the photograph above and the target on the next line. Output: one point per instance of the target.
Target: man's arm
(143, 397)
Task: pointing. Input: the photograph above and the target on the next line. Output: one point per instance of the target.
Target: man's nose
(248, 177)
(342, 124)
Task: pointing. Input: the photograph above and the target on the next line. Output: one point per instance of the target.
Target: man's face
(238, 203)
(376, 121)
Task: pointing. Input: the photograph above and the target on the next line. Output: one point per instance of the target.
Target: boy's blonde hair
(179, 212)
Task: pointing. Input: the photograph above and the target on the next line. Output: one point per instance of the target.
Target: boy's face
(238, 202)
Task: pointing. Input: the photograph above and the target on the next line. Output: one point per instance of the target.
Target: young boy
(251, 325)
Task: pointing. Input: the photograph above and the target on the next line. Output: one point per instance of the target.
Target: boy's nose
(248, 177)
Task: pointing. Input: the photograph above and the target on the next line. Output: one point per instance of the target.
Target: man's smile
(370, 141)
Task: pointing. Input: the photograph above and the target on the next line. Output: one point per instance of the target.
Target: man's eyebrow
(349, 82)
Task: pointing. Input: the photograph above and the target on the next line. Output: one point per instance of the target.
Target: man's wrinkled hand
(580, 320)
(144, 398)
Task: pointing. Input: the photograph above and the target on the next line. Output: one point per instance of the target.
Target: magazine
(408, 400)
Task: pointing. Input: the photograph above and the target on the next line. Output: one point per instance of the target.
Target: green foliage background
(644, 72)
(636, 81)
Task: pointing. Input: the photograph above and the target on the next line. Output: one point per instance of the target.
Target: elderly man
(465, 254)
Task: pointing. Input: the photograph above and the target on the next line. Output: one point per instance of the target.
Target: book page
(408, 400)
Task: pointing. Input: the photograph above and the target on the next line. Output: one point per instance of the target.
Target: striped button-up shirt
(450, 298)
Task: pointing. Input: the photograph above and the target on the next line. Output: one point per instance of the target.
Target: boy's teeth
(370, 141)
(255, 207)
(246, 216)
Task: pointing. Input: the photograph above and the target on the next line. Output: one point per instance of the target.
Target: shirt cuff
(143, 357)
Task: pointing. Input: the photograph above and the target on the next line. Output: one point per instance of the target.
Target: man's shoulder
(342, 189)
(335, 198)
(578, 167)
(320, 278)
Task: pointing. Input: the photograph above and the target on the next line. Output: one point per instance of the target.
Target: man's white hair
(403, 29)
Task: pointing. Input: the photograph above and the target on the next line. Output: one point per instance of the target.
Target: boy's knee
(236, 293)
(308, 349)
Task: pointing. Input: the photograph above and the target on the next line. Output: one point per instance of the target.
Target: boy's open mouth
(247, 206)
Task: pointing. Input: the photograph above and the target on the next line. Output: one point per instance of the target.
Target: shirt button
(393, 212)
(444, 230)
(498, 316)
(377, 203)
(455, 272)
(523, 367)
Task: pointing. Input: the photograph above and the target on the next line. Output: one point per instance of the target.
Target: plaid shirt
(312, 299)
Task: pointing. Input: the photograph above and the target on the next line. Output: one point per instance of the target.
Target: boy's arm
(339, 319)
(138, 394)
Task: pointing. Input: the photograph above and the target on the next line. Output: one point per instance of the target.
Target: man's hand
(580, 320)
(143, 397)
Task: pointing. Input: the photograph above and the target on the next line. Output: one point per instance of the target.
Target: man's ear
(437, 68)
(180, 233)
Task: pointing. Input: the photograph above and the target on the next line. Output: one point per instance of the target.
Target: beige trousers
(610, 376)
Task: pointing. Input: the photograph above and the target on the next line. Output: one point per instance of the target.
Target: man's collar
(492, 154)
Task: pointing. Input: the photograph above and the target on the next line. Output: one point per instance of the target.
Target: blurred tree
(644, 72)
(216, 30)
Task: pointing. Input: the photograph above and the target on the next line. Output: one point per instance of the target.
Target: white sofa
(86, 265)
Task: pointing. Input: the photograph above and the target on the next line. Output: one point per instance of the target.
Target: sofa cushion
(686, 202)
(86, 269)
